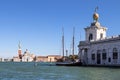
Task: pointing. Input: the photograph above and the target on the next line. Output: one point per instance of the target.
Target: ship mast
(73, 41)
(63, 42)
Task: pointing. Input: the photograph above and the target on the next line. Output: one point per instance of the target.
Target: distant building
(16, 59)
(49, 58)
(7, 60)
(98, 49)
(42, 59)
(28, 57)
(53, 58)
(0, 59)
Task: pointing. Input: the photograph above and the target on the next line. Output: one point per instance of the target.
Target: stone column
(80, 54)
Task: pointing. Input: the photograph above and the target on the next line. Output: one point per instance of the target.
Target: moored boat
(68, 61)
(69, 64)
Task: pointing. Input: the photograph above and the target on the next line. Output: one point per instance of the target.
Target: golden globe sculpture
(95, 17)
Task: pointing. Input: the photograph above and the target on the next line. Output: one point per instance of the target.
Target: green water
(28, 71)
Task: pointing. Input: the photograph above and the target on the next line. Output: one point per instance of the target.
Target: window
(104, 54)
(109, 59)
(93, 56)
(85, 50)
(90, 37)
(101, 35)
(115, 53)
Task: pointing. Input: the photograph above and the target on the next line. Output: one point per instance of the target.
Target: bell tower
(19, 51)
(95, 31)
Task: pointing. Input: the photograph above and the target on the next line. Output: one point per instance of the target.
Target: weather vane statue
(96, 9)
(95, 15)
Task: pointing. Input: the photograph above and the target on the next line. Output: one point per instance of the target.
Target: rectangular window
(109, 59)
(115, 55)
(93, 56)
(104, 56)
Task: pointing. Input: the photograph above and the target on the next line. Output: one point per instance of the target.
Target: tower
(95, 31)
(19, 51)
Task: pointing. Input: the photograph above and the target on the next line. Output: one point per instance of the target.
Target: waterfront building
(0, 59)
(16, 59)
(97, 49)
(42, 59)
(27, 56)
(53, 58)
(8, 60)
(49, 58)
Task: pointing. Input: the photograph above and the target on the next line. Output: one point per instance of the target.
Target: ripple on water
(27, 71)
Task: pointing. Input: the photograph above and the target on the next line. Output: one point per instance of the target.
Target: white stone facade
(98, 49)
(95, 32)
(27, 57)
(16, 59)
(107, 46)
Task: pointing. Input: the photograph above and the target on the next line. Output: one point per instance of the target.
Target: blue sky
(37, 24)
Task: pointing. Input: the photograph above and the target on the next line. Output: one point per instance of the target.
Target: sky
(37, 24)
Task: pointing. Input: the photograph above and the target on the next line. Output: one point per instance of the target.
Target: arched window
(104, 54)
(101, 35)
(90, 37)
(115, 53)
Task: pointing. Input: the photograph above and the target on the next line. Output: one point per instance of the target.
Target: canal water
(48, 71)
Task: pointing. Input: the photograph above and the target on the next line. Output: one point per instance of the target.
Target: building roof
(54, 55)
(41, 56)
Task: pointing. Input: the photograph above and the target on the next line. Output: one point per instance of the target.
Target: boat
(69, 62)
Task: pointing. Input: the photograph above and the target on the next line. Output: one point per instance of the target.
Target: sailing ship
(68, 62)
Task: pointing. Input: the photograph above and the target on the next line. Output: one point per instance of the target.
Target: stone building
(97, 49)
(27, 56)
(42, 59)
(53, 58)
(49, 58)
(16, 59)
